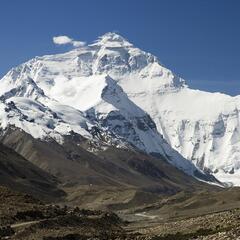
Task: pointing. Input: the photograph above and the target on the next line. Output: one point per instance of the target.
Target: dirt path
(24, 224)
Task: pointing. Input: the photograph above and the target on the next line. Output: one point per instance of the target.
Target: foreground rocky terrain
(23, 217)
(224, 225)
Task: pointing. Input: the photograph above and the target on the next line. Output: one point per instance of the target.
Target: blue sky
(197, 39)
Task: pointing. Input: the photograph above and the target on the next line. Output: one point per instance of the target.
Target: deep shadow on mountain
(19, 174)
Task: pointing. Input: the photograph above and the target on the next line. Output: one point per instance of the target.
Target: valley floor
(223, 225)
(182, 216)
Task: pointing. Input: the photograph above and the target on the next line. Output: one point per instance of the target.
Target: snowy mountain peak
(112, 39)
(128, 92)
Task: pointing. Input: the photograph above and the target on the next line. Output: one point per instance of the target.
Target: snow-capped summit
(130, 93)
(112, 39)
